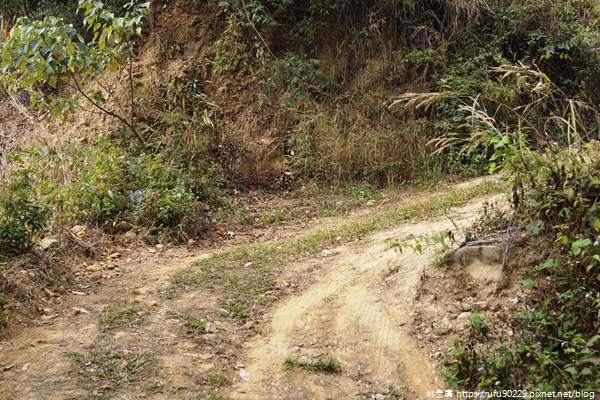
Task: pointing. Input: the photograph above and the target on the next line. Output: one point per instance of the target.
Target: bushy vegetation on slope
(275, 91)
(555, 195)
(380, 92)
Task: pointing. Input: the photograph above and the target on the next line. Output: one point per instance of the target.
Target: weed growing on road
(328, 365)
(393, 393)
(119, 314)
(105, 370)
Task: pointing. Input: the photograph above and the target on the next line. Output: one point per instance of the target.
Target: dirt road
(347, 331)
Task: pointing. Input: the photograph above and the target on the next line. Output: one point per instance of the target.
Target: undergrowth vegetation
(333, 91)
(232, 94)
(555, 194)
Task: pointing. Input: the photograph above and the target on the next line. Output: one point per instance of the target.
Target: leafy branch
(42, 55)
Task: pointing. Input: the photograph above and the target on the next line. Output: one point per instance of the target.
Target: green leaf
(579, 245)
(528, 282)
(548, 264)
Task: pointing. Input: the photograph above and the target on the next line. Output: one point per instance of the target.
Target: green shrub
(22, 215)
(110, 188)
(556, 194)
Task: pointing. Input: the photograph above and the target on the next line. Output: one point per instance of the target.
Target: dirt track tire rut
(348, 314)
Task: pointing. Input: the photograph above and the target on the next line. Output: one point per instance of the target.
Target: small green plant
(328, 365)
(120, 314)
(104, 370)
(393, 393)
(218, 380)
(440, 241)
(291, 363)
(196, 323)
(169, 291)
(478, 325)
(273, 217)
(21, 214)
(361, 192)
(157, 388)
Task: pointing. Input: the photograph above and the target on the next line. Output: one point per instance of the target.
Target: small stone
(130, 235)
(326, 253)
(77, 229)
(244, 375)
(371, 203)
(464, 315)
(378, 396)
(48, 311)
(49, 243)
(95, 268)
(465, 307)
(153, 303)
(210, 327)
(206, 368)
(138, 196)
(160, 246)
(480, 306)
(304, 360)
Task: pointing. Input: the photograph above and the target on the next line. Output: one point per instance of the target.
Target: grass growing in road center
(244, 276)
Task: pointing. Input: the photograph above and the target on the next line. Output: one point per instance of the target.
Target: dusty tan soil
(363, 304)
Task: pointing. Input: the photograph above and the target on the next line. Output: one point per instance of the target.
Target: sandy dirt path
(354, 310)
(357, 313)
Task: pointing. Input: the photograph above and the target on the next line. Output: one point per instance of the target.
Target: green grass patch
(104, 370)
(191, 323)
(120, 314)
(392, 393)
(328, 365)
